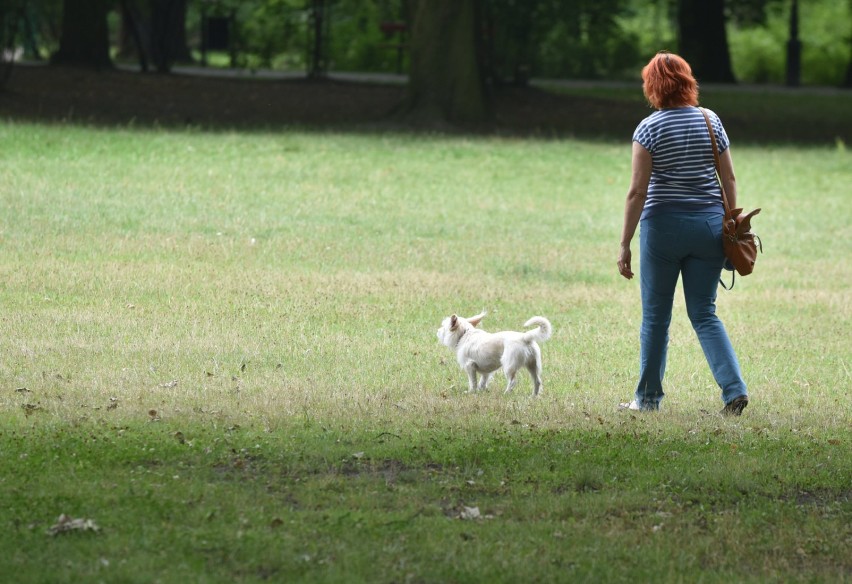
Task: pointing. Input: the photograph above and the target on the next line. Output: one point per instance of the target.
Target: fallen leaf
(470, 513)
(65, 524)
(169, 384)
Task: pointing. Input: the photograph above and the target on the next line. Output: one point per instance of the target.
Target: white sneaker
(632, 406)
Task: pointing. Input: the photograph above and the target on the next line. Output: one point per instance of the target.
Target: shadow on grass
(124, 99)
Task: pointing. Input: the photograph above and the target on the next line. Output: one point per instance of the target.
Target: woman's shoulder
(650, 121)
(713, 115)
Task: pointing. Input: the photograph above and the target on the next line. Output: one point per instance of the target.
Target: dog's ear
(475, 320)
(454, 322)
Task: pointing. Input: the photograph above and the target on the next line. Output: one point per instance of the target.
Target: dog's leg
(534, 367)
(510, 377)
(483, 383)
(470, 368)
(536, 379)
(511, 385)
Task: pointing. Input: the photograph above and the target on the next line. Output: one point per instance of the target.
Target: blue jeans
(689, 245)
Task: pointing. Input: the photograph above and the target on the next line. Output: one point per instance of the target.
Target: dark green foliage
(559, 39)
(521, 39)
(751, 13)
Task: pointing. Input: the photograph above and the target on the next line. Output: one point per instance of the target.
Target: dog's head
(453, 327)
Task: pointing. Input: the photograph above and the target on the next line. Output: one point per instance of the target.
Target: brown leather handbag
(738, 242)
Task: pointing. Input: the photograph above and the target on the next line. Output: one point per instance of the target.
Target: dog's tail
(542, 333)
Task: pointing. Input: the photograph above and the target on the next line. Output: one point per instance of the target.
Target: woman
(675, 196)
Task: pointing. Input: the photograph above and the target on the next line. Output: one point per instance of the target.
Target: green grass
(220, 348)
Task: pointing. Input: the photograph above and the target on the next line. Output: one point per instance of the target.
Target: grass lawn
(219, 348)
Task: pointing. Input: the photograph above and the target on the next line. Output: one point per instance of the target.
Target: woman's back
(683, 177)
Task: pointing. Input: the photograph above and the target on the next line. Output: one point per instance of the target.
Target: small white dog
(480, 352)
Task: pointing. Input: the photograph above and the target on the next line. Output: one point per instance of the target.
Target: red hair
(667, 82)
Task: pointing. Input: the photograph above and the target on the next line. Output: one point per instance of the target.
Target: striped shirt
(683, 177)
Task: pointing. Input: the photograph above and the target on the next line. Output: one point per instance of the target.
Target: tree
(703, 40)
(510, 49)
(155, 30)
(10, 16)
(794, 48)
(131, 39)
(446, 81)
(84, 38)
(319, 30)
(848, 81)
(168, 33)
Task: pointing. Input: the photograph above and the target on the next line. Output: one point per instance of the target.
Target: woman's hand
(637, 193)
(624, 262)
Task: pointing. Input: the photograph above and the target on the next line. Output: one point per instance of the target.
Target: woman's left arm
(636, 195)
(729, 179)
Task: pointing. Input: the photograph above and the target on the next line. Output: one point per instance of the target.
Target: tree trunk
(319, 27)
(446, 82)
(132, 37)
(848, 81)
(168, 34)
(84, 39)
(794, 49)
(704, 41)
(126, 45)
(180, 44)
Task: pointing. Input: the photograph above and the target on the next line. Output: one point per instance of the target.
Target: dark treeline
(455, 51)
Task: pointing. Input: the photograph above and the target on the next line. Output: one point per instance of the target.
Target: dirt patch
(819, 498)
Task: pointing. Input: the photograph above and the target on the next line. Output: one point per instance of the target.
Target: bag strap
(716, 160)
